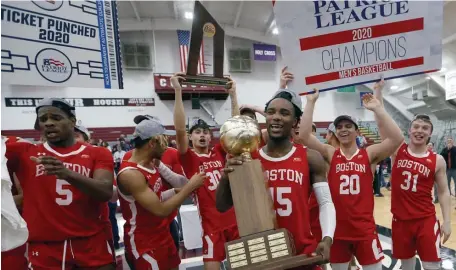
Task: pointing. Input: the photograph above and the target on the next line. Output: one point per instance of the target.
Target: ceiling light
(275, 31)
(428, 78)
(188, 15)
(394, 87)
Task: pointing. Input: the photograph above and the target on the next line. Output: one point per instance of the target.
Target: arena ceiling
(254, 20)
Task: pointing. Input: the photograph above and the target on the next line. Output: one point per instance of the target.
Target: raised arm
(393, 134)
(444, 197)
(134, 183)
(318, 177)
(179, 114)
(231, 86)
(305, 129)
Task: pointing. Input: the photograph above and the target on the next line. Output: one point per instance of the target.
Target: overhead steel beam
(169, 24)
(270, 22)
(449, 39)
(238, 14)
(135, 10)
(173, 7)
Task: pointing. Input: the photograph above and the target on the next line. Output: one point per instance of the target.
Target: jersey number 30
(349, 184)
(66, 196)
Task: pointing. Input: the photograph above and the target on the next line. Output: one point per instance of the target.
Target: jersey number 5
(349, 185)
(65, 193)
(408, 178)
(285, 204)
(214, 178)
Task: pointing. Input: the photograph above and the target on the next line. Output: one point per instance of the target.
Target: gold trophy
(262, 245)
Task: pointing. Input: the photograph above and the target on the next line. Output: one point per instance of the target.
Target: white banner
(450, 85)
(61, 43)
(331, 44)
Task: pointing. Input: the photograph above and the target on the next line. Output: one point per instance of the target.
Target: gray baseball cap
(58, 103)
(83, 130)
(332, 128)
(347, 118)
(290, 96)
(139, 118)
(148, 129)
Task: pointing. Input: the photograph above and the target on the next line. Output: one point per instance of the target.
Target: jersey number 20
(349, 184)
(66, 194)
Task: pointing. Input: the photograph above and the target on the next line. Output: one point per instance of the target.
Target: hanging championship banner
(61, 43)
(331, 44)
(84, 102)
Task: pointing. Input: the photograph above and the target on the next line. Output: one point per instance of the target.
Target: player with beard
(290, 195)
(218, 228)
(415, 171)
(350, 179)
(65, 185)
(149, 243)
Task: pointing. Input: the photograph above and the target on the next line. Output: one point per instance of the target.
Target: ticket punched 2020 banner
(61, 43)
(331, 44)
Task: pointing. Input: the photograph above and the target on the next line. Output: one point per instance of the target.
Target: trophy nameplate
(205, 24)
(262, 245)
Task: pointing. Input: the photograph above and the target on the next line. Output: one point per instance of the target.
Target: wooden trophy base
(269, 250)
(205, 80)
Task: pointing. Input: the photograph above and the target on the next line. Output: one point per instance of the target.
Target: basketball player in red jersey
(415, 170)
(15, 258)
(290, 191)
(350, 179)
(65, 184)
(218, 228)
(147, 236)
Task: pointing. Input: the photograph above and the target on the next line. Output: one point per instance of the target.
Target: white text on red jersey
(350, 166)
(410, 164)
(71, 166)
(210, 165)
(284, 174)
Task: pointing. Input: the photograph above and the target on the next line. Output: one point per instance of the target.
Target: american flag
(184, 44)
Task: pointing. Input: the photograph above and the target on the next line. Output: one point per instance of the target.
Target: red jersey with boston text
(350, 181)
(289, 184)
(54, 209)
(212, 164)
(412, 180)
(143, 230)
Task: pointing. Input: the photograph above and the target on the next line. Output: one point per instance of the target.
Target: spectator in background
(449, 154)
(106, 145)
(430, 148)
(173, 144)
(361, 140)
(93, 141)
(118, 157)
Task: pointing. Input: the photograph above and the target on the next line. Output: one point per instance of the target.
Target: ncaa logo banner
(61, 43)
(332, 44)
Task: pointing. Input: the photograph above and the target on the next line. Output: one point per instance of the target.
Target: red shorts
(418, 235)
(164, 257)
(214, 244)
(15, 258)
(86, 252)
(366, 251)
